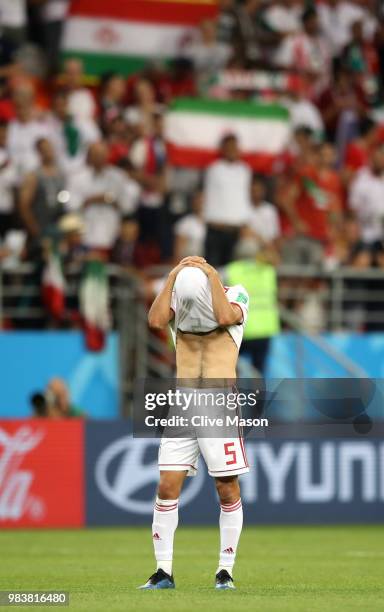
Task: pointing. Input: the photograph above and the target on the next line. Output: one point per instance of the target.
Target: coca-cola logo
(16, 499)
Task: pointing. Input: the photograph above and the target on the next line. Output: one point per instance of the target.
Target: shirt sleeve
(173, 301)
(239, 296)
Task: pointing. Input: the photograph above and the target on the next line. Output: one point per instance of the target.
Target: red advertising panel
(42, 473)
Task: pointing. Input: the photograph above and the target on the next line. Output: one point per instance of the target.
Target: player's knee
(168, 489)
(228, 489)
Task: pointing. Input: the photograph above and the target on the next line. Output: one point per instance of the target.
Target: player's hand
(193, 259)
(209, 270)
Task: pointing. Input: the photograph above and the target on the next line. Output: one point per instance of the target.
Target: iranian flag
(53, 285)
(94, 304)
(123, 35)
(194, 128)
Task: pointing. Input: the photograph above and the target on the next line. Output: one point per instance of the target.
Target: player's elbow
(156, 323)
(226, 320)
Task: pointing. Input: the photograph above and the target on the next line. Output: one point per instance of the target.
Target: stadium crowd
(85, 163)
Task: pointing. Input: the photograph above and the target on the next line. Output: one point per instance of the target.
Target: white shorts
(223, 456)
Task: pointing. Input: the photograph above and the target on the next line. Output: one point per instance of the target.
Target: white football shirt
(192, 305)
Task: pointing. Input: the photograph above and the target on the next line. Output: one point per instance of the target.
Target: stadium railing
(348, 300)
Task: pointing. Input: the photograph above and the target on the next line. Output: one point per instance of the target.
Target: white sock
(231, 523)
(165, 519)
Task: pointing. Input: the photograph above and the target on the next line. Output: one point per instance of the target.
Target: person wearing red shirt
(359, 150)
(310, 203)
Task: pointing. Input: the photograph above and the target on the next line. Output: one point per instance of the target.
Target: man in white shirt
(53, 15)
(190, 231)
(82, 104)
(24, 131)
(208, 55)
(366, 199)
(13, 17)
(71, 136)
(264, 222)
(337, 18)
(226, 203)
(98, 191)
(307, 52)
(207, 321)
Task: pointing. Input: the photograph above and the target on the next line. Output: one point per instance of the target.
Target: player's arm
(225, 313)
(161, 313)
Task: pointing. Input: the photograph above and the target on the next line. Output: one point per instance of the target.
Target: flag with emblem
(122, 35)
(94, 304)
(194, 128)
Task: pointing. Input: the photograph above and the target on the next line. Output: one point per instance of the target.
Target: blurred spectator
(310, 207)
(112, 97)
(256, 271)
(82, 104)
(24, 131)
(263, 221)
(303, 112)
(336, 18)
(207, 54)
(148, 158)
(132, 189)
(247, 38)
(97, 192)
(8, 184)
(226, 202)
(307, 52)
(59, 400)
(53, 15)
(359, 150)
(329, 179)
(284, 16)
(8, 56)
(342, 105)
(301, 147)
(226, 22)
(145, 105)
(126, 250)
(343, 242)
(366, 198)
(190, 231)
(72, 249)
(361, 58)
(43, 194)
(70, 135)
(119, 138)
(13, 18)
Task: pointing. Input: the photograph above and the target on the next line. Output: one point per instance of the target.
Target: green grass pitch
(279, 569)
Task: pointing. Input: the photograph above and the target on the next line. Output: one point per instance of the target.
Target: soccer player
(208, 321)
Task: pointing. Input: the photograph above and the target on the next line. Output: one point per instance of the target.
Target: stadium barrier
(75, 474)
(30, 359)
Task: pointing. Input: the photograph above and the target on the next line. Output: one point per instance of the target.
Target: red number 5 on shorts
(230, 452)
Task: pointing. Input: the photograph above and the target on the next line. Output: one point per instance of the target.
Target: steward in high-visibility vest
(260, 280)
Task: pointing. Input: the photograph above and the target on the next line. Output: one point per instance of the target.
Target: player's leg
(231, 523)
(226, 460)
(166, 517)
(165, 521)
(177, 459)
